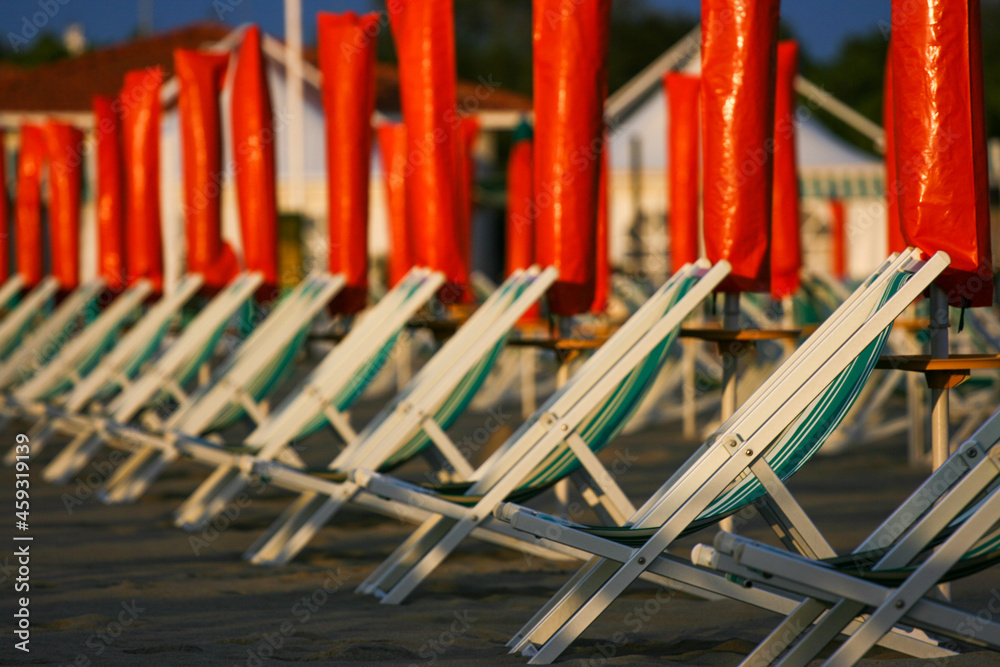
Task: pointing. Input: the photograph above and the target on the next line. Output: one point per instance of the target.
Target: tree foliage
(494, 37)
(46, 48)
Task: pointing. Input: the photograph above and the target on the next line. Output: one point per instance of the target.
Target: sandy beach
(122, 586)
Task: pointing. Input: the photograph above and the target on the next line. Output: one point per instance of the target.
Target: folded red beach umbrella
(4, 221)
(940, 142)
(786, 244)
(739, 43)
(424, 33)
(64, 144)
(110, 193)
(200, 74)
(392, 150)
(570, 84)
(28, 204)
(520, 237)
(253, 155)
(140, 103)
(682, 148)
(602, 263)
(347, 63)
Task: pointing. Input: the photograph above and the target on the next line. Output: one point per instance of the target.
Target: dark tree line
(494, 36)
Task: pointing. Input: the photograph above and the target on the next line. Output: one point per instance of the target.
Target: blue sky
(821, 25)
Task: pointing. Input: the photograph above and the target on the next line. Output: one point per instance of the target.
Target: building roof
(68, 85)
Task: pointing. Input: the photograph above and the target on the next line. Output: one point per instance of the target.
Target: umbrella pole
(939, 397)
(561, 487)
(689, 361)
(730, 322)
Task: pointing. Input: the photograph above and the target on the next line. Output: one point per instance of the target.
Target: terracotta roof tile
(69, 84)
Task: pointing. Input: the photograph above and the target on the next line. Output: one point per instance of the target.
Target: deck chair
(868, 423)
(745, 462)
(330, 493)
(324, 398)
(340, 379)
(238, 387)
(9, 293)
(45, 374)
(983, 395)
(413, 423)
(28, 310)
(55, 400)
(351, 367)
(945, 530)
(79, 352)
(562, 437)
(43, 341)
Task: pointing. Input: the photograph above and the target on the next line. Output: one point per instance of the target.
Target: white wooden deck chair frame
(277, 329)
(137, 393)
(503, 536)
(50, 335)
(338, 369)
(27, 308)
(199, 409)
(185, 431)
(64, 364)
(979, 405)
(737, 449)
(10, 289)
(555, 425)
(833, 599)
(409, 413)
(61, 366)
(868, 422)
(500, 533)
(112, 369)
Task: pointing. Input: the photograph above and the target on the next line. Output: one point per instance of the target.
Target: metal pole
(689, 389)
(730, 322)
(296, 106)
(404, 360)
(561, 487)
(788, 312)
(730, 399)
(916, 402)
(939, 397)
(529, 400)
